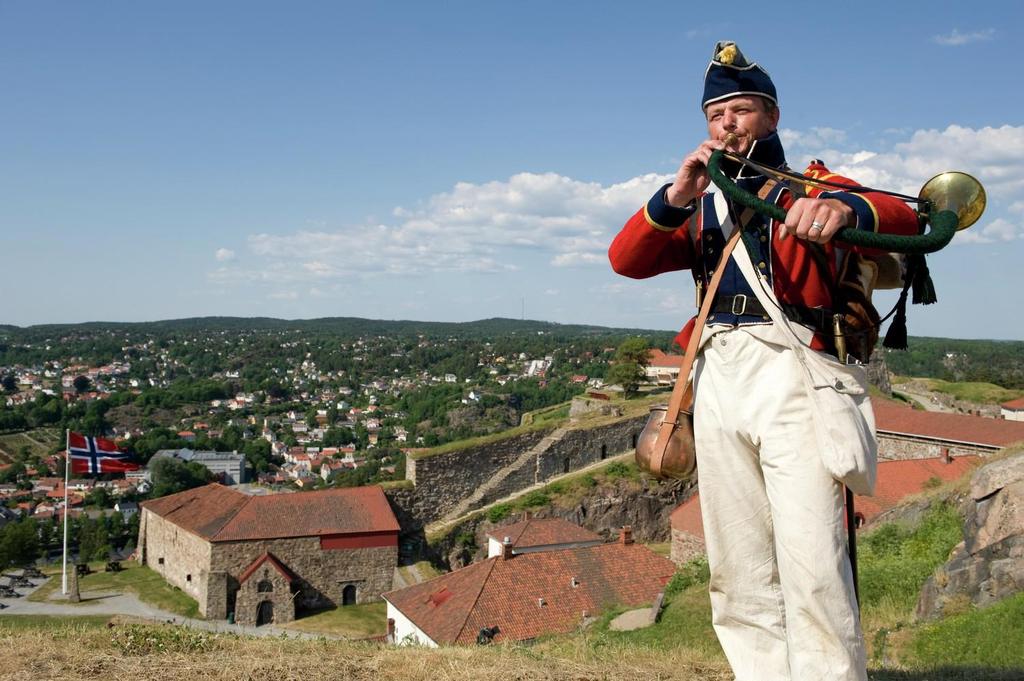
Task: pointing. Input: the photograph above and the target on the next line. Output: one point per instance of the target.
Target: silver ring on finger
(816, 225)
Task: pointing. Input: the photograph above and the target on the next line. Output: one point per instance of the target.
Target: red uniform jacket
(658, 239)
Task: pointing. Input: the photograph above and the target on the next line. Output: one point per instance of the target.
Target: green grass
(425, 570)
(986, 393)
(685, 621)
(554, 412)
(51, 622)
(39, 442)
(148, 585)
(459, 445)
(353, 621)
(894, 561)
(663, 549)
(992, 638)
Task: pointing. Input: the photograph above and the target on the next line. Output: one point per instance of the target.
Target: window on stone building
(159, 561)
(188, 578)
(264, 586)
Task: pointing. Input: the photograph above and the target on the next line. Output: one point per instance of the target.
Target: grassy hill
(896, 559)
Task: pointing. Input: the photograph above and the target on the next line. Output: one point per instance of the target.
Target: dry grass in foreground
(131, 652)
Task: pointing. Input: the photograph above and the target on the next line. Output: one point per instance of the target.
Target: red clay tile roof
(543, 532)
(687, 518)
(507, 592)
(658, 358)
(203, 510)
(895, 418)
(1016, 404)
(218, 513)
(274, 562)
(900, 479)
(897, 480)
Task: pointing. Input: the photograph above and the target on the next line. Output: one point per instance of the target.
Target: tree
(171, 476)
(81, 383)
(93, 541)
(631, 359)
(9, 383)
(19, 543)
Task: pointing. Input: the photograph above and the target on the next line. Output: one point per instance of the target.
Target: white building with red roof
(520, 596)
(306, 550)
(1012, 410)
(539, 534)
(662, 367)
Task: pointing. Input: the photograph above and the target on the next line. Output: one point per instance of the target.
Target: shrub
(693, 572)
(498, 512)
(618, 469)
(535, 499)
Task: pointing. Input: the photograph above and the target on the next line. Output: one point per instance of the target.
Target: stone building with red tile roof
(235, 553)
(520, 596)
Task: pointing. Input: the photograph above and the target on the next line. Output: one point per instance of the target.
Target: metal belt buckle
(740, 298)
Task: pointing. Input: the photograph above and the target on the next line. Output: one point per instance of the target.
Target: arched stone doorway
(264, 613)
(348, 595)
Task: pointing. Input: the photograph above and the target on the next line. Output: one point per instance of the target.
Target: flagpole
(67, 468)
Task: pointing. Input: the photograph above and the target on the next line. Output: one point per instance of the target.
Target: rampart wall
(441, 481)
(903, 447)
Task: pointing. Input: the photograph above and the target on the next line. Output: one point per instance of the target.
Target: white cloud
(531, 219)
(955, 38)
(993, 155)
(997, 230)
(492, 227)
(283, 295)
(224, 254)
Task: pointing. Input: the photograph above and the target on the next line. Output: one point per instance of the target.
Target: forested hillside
(950, 359)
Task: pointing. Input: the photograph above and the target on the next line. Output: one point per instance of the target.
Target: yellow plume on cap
(727, 54)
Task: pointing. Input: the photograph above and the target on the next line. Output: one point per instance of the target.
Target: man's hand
(692, 176)
(817, 220)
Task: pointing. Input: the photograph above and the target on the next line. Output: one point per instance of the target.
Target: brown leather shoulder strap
(683, 388)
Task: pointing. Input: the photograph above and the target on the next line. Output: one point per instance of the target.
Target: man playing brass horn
(780, 425)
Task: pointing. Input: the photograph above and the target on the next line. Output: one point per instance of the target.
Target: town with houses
(280, 476)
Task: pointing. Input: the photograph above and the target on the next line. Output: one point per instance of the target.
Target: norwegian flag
(97, 455)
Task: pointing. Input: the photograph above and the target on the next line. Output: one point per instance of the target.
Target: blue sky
(460, 160)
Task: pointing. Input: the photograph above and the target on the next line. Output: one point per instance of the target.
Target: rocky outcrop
(988, 565)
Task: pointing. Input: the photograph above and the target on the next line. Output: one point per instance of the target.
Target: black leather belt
(817, 318)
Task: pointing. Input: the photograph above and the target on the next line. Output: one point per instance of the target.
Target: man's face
(743, 116)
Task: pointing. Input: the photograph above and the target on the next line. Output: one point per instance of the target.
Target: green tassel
(896, 336)
(924, 288)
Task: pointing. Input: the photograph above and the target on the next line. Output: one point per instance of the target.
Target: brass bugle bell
(957, 192)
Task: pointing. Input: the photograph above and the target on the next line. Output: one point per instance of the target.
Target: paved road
(126, 604)
(925, 400)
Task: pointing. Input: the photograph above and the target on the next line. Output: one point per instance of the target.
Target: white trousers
(782, 596)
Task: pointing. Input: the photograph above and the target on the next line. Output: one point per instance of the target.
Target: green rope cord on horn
(943, 223)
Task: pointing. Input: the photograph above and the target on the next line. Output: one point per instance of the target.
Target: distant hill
(959, 360)
(347, 325)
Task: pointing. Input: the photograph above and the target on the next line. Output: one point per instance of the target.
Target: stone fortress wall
(443, 482)
(179, 556)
